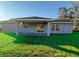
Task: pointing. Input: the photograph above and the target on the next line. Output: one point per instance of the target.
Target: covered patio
(33, 27)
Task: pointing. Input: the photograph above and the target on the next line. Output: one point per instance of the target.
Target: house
(37, 26)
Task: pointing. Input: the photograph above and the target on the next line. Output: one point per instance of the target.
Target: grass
(65, 45)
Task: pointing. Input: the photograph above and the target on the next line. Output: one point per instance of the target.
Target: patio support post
(17, 30)
(55, 27)
(48, 29)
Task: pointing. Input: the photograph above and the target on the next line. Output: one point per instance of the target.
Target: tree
(63, 13)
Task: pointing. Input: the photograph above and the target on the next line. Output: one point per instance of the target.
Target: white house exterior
(37, 25)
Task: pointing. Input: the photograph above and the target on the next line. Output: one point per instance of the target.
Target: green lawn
(55, 45)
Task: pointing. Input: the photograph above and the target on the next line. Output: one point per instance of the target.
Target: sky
(15, 9)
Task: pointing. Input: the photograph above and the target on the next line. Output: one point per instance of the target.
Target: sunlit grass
(70, 48)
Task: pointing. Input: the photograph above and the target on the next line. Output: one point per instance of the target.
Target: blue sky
(13, 9)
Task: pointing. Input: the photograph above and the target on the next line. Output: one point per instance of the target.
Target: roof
(58, 20)
(32, 17)
(8, 21)
(37, 19)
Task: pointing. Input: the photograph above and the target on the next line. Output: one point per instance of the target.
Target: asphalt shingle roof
(33, 17)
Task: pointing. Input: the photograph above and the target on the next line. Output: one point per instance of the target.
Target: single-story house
(37, 25)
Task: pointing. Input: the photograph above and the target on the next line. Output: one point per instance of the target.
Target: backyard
(65, 45)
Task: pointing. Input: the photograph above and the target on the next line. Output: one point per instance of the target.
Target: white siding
(9, 28)
(68, 28)
(64, 28)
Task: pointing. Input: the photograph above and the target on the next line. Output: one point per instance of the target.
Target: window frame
(40, 27)
(55, 27)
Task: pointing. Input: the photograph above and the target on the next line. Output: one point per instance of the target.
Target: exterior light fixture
(21, 23)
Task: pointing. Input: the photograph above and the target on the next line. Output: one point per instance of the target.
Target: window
(25, 25)
(55, 27)
(40, 27)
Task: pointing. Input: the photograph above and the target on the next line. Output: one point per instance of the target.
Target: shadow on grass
(52, 41)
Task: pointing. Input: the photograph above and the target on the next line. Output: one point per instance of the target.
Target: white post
(48, 29)
(17, 30)
(55, 27)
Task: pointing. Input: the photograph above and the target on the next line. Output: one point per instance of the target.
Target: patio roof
(33, 18)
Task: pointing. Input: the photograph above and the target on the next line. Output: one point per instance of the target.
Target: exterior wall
(0, 27)
(9, 27)
(64, 28)
(67, 28)
(12, 27)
